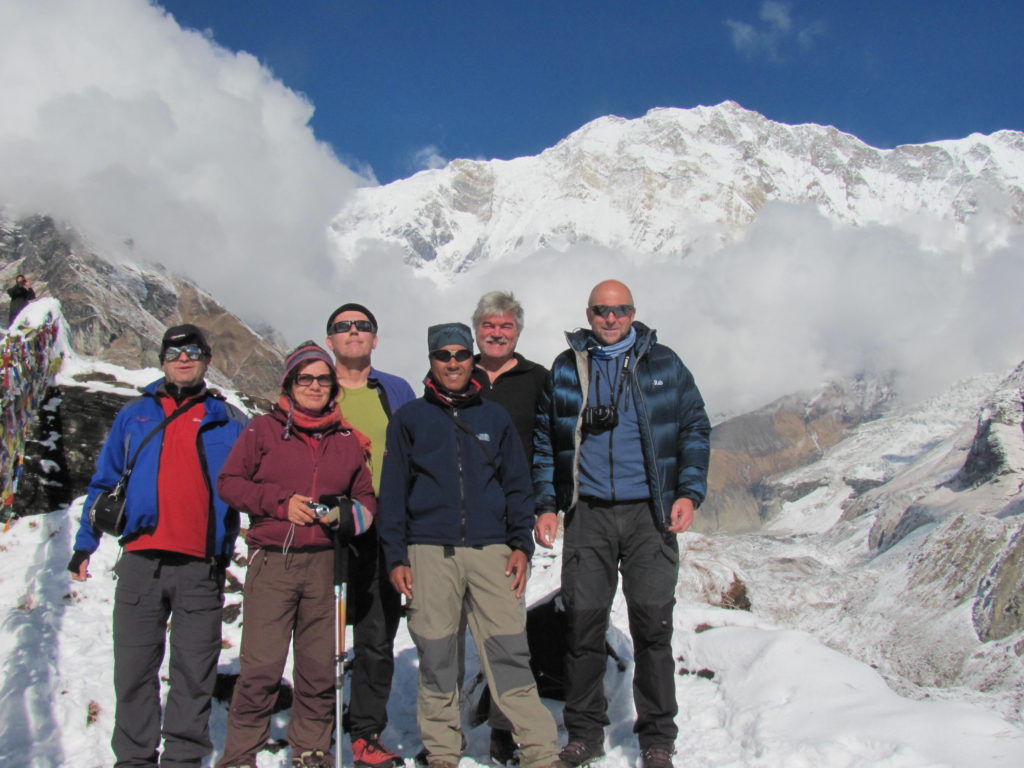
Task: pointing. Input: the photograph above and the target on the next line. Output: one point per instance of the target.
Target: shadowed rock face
(60, 457)
(118, 313)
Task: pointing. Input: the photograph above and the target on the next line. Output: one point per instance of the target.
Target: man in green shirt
(368, 398)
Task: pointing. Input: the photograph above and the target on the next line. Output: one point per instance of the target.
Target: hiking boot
(440, 764)
(370, 753)
(312, 758)
(578, 752)
(656, 756)
(504, 750)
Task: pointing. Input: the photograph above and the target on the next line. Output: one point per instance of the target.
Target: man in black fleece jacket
(455, 521)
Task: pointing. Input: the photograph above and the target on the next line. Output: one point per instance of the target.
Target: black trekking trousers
(602, 539)
(152, 588)
(374, 611)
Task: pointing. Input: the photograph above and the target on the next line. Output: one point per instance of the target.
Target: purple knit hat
(307, 352)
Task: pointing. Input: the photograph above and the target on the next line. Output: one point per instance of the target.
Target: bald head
(610, 292)
(610, 311)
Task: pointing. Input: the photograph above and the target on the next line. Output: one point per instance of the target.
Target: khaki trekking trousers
(442, 577)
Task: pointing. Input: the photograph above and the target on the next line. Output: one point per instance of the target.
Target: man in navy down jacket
(621, 446)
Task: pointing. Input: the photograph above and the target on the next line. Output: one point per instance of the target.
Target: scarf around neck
(612, 351)
(437, 394)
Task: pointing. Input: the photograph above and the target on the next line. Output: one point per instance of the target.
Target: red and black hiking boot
(370, 753)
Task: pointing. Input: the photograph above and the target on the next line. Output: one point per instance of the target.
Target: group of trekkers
(438, 500)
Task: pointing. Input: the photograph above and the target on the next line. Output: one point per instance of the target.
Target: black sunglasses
(192, 351)
(444, 355)
(306, 380)
(620, 310)
(344, 326)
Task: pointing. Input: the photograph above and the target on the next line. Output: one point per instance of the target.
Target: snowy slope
(859, 649)
(677, 180)
(778, 695)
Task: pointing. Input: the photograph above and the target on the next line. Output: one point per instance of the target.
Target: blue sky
(402, 85)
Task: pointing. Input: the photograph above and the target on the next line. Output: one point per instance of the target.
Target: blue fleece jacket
(220, 427)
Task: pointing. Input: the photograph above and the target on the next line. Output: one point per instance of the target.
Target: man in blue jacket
(455, 521)
(177, 539)
(622, 447)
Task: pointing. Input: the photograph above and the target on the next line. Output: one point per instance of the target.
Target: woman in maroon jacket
(300, 453)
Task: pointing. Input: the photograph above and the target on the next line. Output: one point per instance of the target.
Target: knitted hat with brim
(307, 352)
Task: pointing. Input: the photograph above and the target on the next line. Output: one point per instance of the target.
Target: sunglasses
(306, 380)
(344, 326)
(192, 351)
(619, 310)
(444, 355)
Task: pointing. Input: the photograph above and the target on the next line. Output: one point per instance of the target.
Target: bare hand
(401, 580)
(682, 515)
(298, 512)
(545, 530)
(518, 567)
(82, 573)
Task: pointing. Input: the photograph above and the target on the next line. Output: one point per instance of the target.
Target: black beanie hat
(352, 307)
(180, 335)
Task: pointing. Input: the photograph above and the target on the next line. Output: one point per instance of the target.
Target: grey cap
(449, 333)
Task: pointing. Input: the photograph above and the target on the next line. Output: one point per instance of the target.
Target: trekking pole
(340, 596)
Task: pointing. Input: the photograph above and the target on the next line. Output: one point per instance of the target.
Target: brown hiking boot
(578, 752)
(656, 757)
(312, 758)
(440, 764)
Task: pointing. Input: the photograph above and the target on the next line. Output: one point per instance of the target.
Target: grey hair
(498, 303)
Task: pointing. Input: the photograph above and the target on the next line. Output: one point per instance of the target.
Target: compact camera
(600, 417)
(319, 510)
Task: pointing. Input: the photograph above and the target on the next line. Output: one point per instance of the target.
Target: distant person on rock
(455, 521)
(622, 447)
(299, 454)
(368, 398)
(21, 294)
(177, 540)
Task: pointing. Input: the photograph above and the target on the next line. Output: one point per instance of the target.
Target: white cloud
(800, 300)
(429, 158)
(776, 16)
(129, 127)
(776, 32)
(120, 122)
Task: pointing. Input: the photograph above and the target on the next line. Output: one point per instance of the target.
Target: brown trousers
(287, 599)
(442, 579)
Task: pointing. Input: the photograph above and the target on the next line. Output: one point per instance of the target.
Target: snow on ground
(778, 696)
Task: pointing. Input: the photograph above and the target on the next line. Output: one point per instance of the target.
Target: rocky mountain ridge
(118, 312)
(673, 181)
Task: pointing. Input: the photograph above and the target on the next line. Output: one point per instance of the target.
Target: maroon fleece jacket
(264, 470)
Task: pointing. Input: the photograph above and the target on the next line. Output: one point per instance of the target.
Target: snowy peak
(673, 180)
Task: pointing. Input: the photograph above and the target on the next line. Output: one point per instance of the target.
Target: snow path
(778, 695)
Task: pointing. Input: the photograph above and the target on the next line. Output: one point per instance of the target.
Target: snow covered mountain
(673, 181)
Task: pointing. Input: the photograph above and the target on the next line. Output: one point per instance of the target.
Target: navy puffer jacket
(674, 427)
